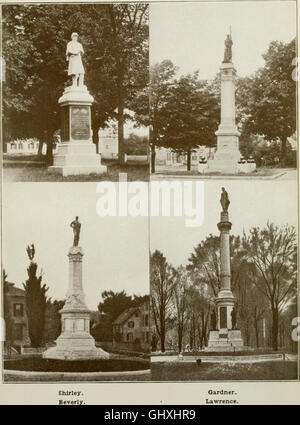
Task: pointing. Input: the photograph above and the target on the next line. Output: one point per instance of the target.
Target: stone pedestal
(225, 338)
(76, 154)
(75, 341)
(227, 157)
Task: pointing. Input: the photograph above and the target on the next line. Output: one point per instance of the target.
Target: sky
(252, 203)
(116, 249)
(192, 34)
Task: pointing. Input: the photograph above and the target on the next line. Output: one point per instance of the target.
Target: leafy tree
(271, 253)
(161, 288)
(161, 81)
(136, 145)
(192, 115)
(268, 98)
(115, 39)
(52, 325)
(101, 329)
(127, 31)
(35, 294)
(114, 303)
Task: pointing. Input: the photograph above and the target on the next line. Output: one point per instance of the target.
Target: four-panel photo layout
(150, 192)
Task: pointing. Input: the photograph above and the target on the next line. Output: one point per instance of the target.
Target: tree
(161, 81)
(114, 303)
(35, 295)
(205, 259)
(136, 145)
(161, 289)
(180, 299)
(52, 325)
(115, 39)
(192, 114)
(268, 98)
(271, 253)
(127, 30)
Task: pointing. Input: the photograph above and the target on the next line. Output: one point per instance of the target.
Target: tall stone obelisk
(227, 337)
(226, 158)
(75, 341)
(76, 154)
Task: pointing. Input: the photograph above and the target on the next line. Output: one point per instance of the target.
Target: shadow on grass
(262, 371)
(34, 173)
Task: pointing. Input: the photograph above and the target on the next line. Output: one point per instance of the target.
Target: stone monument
(227, 156)
(76, 154)
(227, 336)
(75, 341)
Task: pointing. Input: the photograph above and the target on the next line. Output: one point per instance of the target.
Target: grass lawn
(262, 171)
(262, 371)
(40, 173)
(37, 364)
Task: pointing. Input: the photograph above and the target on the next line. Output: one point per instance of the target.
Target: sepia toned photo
(149, 206)
(223, 90)
(224, 295)
(74, 309)
(75, 105)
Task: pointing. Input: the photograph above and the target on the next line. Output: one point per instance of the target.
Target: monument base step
(77, 170)
(75, 353)
(225, 340)
(226, 348)
(75, 346)
(223, 166)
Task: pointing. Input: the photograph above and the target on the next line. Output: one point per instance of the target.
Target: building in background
(16, 306)
(108, 136)
(131, 328)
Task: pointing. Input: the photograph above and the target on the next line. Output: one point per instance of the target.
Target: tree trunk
(275, 328)
(152, 150)
(283, 152)
(96, 137)
(189, 160)
(179, 333)
(121, 107)
(40, 148)
(162, 333)
(256, 333)
(49, 153)
(152, 158)
(121, 133)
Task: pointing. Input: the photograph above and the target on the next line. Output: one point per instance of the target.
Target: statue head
(76, 217)
(74, 36)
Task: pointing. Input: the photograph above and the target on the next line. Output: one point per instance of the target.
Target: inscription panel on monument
(65, 124)
(223, 317)
(80, 122)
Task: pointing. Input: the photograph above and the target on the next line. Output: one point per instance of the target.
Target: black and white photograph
(220, 79)
(224, 295)
(149, 205)
(73, 308)
(75, 105)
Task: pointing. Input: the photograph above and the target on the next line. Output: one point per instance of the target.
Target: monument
(224, 335)
(76, 154)
(227, 156)
(75, 341)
